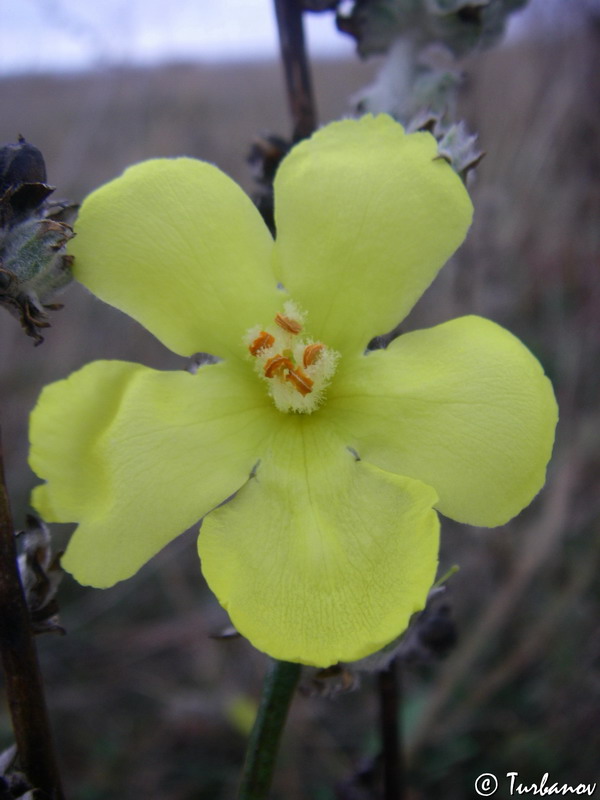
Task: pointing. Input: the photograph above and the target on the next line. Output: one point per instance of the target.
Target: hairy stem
(24, 686)
(278, 690)
(297, 72)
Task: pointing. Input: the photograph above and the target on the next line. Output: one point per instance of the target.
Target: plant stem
(24, 686)
(278, 690)
(297, 72)
(390, 696)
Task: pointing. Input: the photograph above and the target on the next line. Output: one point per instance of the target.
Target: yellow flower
(337, 460)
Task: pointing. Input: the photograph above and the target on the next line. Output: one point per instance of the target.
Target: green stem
(277, 693)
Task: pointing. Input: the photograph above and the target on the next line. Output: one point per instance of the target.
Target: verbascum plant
(334, 461)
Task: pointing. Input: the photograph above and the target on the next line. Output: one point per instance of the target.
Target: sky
(57, 35)
(75, 34)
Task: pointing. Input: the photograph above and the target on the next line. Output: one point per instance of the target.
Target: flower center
(296, 369)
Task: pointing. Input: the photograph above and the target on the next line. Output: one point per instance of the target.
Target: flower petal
(320, 557)
(136, 456)
(464, 407)
(178, 246)
(366, 216)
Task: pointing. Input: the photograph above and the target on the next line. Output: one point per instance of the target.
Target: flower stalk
(23, 678)
(278, 690)
(297, 72)
(390, 696)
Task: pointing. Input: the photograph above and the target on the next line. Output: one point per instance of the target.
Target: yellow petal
(366, 216)
(464, 407)
(178, 246)
(137, 456)
(321, 558)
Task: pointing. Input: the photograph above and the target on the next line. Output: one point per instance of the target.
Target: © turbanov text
(547, 787)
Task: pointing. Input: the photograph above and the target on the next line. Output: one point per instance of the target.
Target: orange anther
(276, 364)
(289, 325)
(301, 381)
(311, 353)
(262, 341)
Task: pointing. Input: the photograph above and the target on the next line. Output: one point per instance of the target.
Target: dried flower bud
(33, 234)
(40, 575)
(459, 148)
(23, 186)
(13, 783)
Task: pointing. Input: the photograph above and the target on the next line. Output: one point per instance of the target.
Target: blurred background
(144, 702)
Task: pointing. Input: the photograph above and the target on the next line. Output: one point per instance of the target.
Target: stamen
(300, 381)
(276, 365)
(311, 353)
(263, 341)
(297, 369)
(288, 324)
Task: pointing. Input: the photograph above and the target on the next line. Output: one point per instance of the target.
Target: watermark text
(487, 785)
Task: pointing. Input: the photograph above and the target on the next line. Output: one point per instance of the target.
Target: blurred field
(144, 704)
